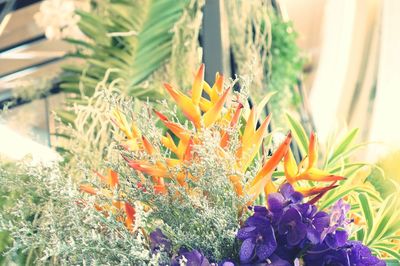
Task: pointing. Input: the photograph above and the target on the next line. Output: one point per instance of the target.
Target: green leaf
(343, 145)
(66, 117)
(360, 235)
(298, 133)
(264, 101)
(392, 262)
(383, 217)
(366, 209)
(389, 251)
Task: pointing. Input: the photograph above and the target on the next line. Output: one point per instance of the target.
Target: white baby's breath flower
(59, 20)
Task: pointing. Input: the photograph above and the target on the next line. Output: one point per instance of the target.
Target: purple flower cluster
(289, 231)
(160, 243)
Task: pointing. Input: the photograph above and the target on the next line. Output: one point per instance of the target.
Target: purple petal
(256, 221)
(277, 261)
(286, 190)
(265, 250)
(291, 215)
(226, 263)
(297, 234)
(247, 250)
(331, 241)
(246, 232)
(159, 241)
(313, 235)
(276, 202)
(296, 197)
(341, 237)
(260, 211)
(268, 245)
(321, 221)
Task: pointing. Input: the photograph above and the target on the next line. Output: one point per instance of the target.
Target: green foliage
(201, 217)
(298, 133)
(134, 38)
(50, 224)
(381, 231)
(7, 199)
(387, 177)
(284, 68)
(379, 228)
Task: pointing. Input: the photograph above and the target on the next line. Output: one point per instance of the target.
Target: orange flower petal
(207, 88)
(188, 153)
(147, 168)
(177, 129)
(88, 189)
(205, 105)
(190, 110)
(169, 143)
(237, 185)
(147, 146)
(315, 174)
(233, 122)
(130, 216)
(270, 188)
(215, 112)
(112, 178)
(197, 87)
(312, 151)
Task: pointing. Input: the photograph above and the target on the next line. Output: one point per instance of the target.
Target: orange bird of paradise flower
(111, 182)
(204, 108)
(307, 170)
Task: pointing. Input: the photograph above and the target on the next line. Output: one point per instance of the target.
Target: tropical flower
(207, 109)
(158, 241)
(258, 237)
(307, 170)
(290, 230)
(189, 258)
(111, 182)
(349, 254)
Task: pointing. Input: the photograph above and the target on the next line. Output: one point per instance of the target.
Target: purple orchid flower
(158, 241)
(192, 258)
(258, 237)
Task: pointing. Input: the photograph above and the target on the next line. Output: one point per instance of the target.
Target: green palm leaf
(134, 37)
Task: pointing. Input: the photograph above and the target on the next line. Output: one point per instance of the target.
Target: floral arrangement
(200, 195)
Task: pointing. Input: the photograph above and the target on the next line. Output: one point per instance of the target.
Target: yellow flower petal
(250, 126)
(290, 166)
(255, 187)
(217, 88)
(252, 146)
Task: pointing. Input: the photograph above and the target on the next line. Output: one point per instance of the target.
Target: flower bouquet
(207, 191)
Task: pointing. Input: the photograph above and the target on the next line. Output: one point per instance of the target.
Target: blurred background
(342, 59)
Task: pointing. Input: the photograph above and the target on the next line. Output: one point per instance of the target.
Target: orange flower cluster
(207, 109)
(111, 182)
